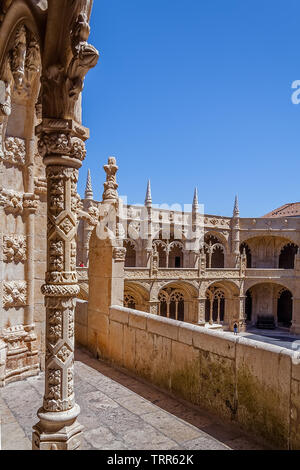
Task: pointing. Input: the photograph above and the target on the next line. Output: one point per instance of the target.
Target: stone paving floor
(278, 337)
(119, 412)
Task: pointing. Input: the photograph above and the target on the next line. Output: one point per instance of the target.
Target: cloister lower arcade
(269, 304)
(269, 252)
(136, 297)
(175, 300)
(178, 300)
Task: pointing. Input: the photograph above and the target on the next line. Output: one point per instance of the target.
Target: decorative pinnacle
(110, 186)
(236, 211)
(195, 201)
(148, 199)
(88, 188)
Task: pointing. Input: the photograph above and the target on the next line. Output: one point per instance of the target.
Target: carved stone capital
(62, 140)
(30, 202)
(119, 254)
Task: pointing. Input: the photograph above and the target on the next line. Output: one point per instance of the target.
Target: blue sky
(196, 93)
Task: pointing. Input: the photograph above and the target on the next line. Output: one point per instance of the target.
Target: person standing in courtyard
(235, 329)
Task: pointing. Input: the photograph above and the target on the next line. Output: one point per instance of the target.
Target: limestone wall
(255, 384)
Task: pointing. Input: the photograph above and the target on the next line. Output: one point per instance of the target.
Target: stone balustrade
(252, 383)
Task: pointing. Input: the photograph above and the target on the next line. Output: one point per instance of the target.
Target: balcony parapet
(269, 273)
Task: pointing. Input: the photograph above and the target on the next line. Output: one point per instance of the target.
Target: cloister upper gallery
(208, 270)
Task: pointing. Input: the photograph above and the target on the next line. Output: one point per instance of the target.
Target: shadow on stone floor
(229, 434)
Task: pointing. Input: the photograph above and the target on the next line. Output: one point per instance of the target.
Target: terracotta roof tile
(287, 210)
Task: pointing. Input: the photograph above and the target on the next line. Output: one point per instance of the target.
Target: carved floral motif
(14, 294)
(54, 384)
(14, 249)
(64, 353)
(14, 151)
(12, 201)
(56, 253)
(55, 326)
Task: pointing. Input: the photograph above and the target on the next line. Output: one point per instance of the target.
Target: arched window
(287, 256)
(285, 308)
(171, 304)
(214, 306)
(177, 305)
(163, 304)
(245, 248)
(161, 248)
(214, 252)
(176, 255)
(129, 301)
(130, 259)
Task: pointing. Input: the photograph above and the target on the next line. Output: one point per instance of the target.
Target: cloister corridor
(120, 412)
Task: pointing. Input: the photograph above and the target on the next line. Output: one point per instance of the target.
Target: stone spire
(236, 211)
(110, 193)
(195, 201)
(88, 188)
(148, 199)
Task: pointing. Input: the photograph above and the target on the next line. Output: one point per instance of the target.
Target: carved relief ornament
(14, 294)
(14, 249)
(14, 151)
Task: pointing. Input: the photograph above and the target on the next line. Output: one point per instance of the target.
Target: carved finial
(195, 201)
(88, 189)
(236, 211)
(110, 186)
(148, 199)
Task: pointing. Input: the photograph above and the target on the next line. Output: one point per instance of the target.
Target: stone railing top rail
(195, 329)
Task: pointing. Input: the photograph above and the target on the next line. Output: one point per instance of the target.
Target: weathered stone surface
(240, 379)
(116, 417)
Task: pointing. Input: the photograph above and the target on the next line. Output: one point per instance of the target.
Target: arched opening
(136, 296)
(287, 256)
(129, 301)
(130, 259)
(217, 259)
(215, 305)
(269, 252)
(171, 304)
(176, 255)
(271, 305)
(248, 306)
(285, 308)
(244, 248)
(214, 252)
(161, 249)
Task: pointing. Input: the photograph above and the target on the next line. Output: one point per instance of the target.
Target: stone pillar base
(57, 431)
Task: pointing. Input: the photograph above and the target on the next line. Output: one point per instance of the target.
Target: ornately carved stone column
(66, 59)
(61, 142)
